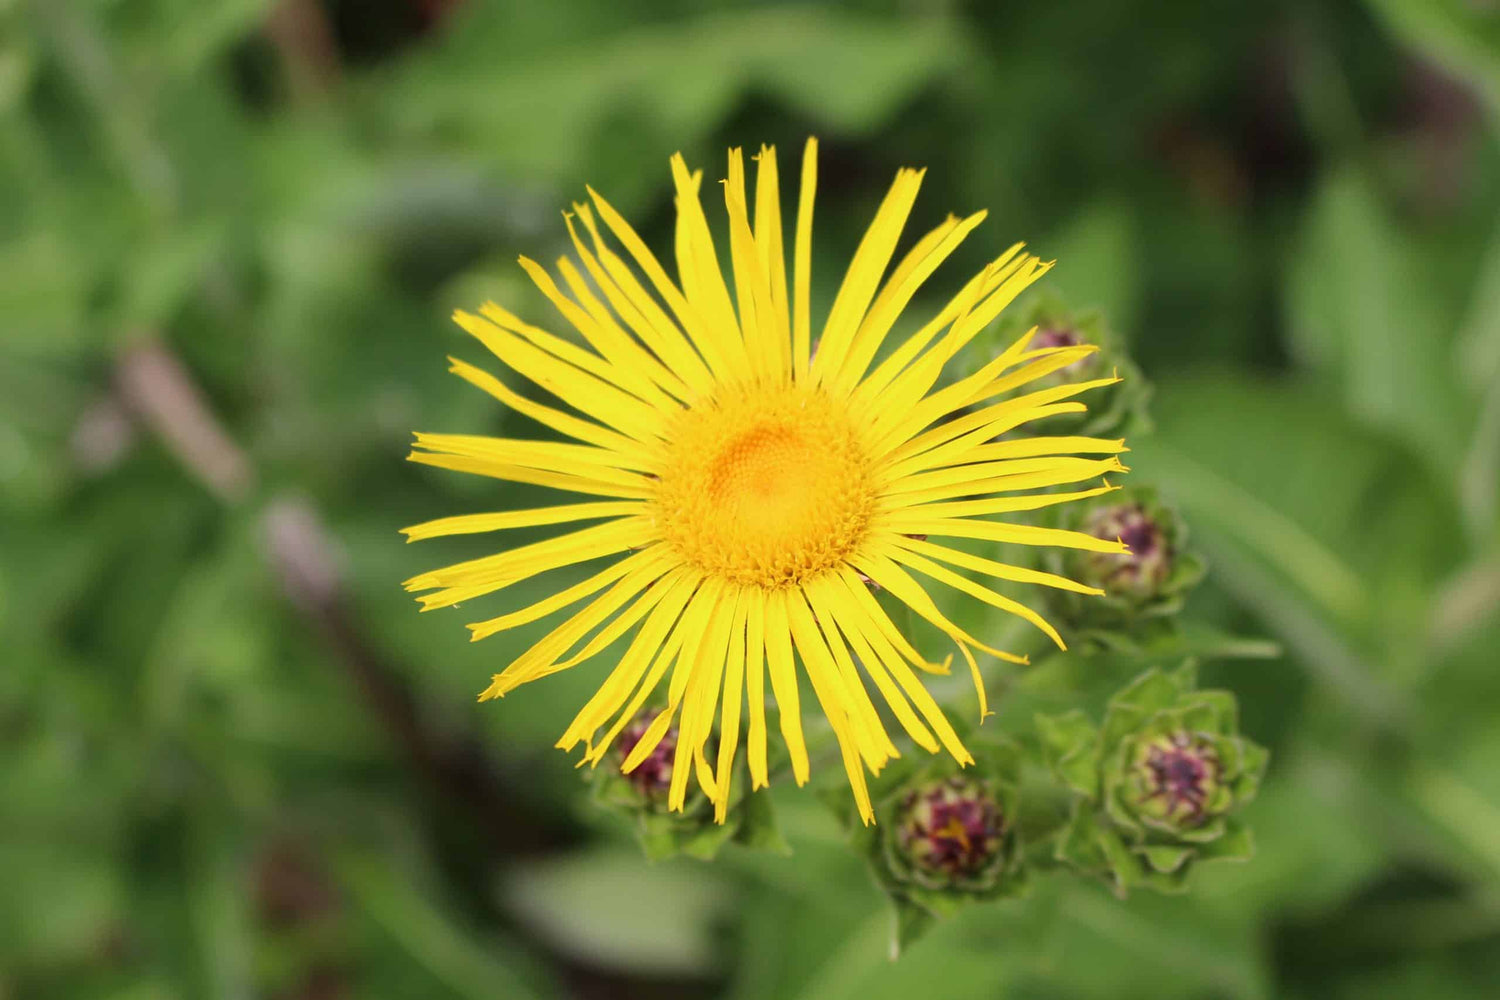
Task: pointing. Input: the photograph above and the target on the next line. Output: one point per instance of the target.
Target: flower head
(745, 486)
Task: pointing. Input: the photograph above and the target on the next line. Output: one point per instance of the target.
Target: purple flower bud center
(653, 776)
(1183, 772)
(1052, 336)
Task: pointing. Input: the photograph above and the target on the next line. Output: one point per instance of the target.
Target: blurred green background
(234, 760)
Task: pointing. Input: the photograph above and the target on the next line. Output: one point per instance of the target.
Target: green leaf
(758, 827)
(453, 954)
(1071, 743)
(607, 908)
(910, 923)
(1364, 317)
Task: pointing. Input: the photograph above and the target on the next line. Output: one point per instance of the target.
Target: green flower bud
(641, 798)
(1173, 770)
(1138, 575)
(949, 834)
(1151, 581)
(944, 837)
(1113, 410)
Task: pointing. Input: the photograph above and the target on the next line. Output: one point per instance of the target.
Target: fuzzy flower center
(765, 486)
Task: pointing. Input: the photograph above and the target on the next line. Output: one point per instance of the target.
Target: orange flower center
(765, 486)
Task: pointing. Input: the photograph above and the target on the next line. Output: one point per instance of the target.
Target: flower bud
(945, 837)
(1113, 410)
(1138, 574)
(1172, 771)
(1145, 584)
(641, 797)
(653, 776)
(950, 831)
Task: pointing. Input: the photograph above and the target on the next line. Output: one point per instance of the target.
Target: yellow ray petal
(609, 338)
(554, 456)
(651, 559)
(876, 632)
(876, 616)
(540, 659)
(563, 423)
(854, 739)
(729, 720)
(983, 384)
(831, 605)
(931, 569)
(1022, 534)
(752, 286)
(626, 619)
(847, 705)
(1056, 476)
(699, 699)
(778, 640)
(908, 520)
(682, 643)
(893, 578)
(802, 262)
(692, 323)
(1078, 468)
(907, 388)
(755, 686)
(768, 245)
(996, 273)
(469, 524)
(578, 388)
(1029, 447)
(871, 258)
(636, 306)
(494, 572)
(976, 428)
(998, 570)
(703, 281)
(661, 605)
(536, 477)
(905, 281)
(620, 361)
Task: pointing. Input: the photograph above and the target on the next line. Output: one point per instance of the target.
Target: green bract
(946, 836)
(1157, 786)
(1142, 588)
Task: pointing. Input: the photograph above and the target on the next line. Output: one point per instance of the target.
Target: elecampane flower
(751, 481)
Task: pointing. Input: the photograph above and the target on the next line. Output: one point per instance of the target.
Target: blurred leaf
(609, 910)
(452, 954)
(1465, 38)
(1098, 262)
(673, 78)
(1361, 314)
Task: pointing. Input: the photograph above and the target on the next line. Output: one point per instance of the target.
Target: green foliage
(213, 788)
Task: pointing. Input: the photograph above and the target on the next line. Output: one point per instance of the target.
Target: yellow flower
(754, 478)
